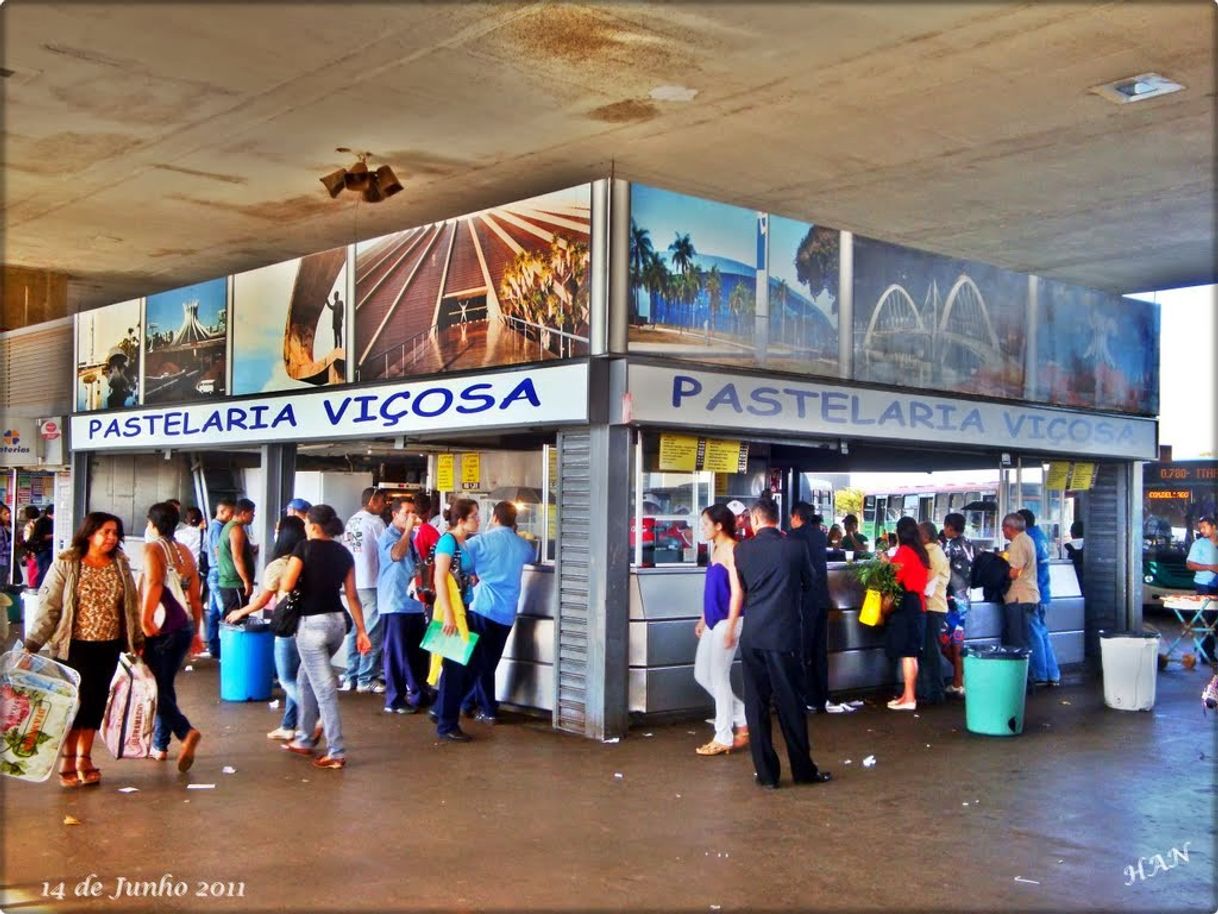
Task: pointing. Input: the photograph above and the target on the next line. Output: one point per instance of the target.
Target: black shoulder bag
(285, 618)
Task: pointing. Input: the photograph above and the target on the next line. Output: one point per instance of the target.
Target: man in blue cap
(297, 507)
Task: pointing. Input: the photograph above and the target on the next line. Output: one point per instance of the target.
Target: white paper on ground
(274, 705)
(869, 761)
(200, 786)
(618, 774)
(1027, 881)
(616, 739)
(229, 769)
(188, 668)
(128, 790)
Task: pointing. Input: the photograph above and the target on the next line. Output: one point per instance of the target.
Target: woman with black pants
(88, 610)
(170, 579)
(906, 626)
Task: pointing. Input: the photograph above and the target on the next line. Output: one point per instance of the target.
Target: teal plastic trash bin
(247, 663)
(995, 686)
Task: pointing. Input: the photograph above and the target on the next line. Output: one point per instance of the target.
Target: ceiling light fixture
(373, 186)
(1136, 88)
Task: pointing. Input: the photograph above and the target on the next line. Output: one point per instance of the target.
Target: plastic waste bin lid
(1147, 635)
(999, 652)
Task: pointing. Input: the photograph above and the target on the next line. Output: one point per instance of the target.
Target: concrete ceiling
(151, 145)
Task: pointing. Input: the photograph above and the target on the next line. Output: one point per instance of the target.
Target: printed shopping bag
(130, 710)
(38, 703)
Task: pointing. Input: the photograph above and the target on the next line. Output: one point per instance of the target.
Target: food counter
(665, 604)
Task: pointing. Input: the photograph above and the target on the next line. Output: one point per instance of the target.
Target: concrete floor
(525, 818)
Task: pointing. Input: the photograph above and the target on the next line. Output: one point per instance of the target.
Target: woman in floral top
(89, 612)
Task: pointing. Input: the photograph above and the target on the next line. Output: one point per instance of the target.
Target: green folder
(451, 647)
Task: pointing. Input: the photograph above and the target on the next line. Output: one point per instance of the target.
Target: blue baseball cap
(297, 504)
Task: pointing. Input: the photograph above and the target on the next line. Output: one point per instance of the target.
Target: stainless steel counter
(665, 604)
(526, 674)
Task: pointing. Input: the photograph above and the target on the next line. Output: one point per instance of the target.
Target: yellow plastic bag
(458, 605)
(870, 612)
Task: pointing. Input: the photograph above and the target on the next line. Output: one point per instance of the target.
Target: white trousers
(713, 671)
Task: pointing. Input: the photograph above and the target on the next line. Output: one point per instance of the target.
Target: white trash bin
(1130, 661)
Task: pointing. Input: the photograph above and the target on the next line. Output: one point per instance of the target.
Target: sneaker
(1055, 683)
(364, 689)
(281, 733)
(955, 690)
(378, 688)
(345, 686)
(842, 708)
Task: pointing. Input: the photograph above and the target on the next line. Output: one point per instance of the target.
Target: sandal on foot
(741, 739)
(69, 778)
(714, 748)
(296, 748)
(88, 775)
(329, 761)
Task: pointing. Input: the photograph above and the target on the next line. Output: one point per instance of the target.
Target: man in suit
(774, 572)
(814, 610)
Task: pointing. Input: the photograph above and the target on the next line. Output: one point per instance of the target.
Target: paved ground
(525, 818)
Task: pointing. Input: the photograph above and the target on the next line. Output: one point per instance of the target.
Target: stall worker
(497, 559)
(402, 617)
(852, 540)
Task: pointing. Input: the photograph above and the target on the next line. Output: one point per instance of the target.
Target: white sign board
(532, 396)
(19, 442)
(731, 402)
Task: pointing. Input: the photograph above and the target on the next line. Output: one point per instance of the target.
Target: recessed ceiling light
(673, 94)
(1137, 88)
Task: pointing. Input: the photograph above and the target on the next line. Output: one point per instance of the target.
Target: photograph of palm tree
(936, 322)
(804, 272)
(186, 343)
(693, 277)
(1096, 350)
(505, 286)
(290, 324)
(108, 356)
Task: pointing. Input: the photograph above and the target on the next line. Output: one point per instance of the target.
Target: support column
(592, 576)
(274, 491)
(1113, 556)
(78, 465)
(845, 306)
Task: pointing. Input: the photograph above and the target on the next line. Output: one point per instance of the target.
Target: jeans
(43, 560)
(713, 671)
(492, 639)
(1015, 619)
(930, 664)
(405, 668)
(1043, 665)
(287, 663)
(215, 613)
(164, 655)
(362, 669)
(317, 639)
(454, 685)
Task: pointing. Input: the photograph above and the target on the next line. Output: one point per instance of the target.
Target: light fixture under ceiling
(1136, 88)
(372, 186)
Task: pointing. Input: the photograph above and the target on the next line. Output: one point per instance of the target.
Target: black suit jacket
(817, 543)
(774, 571)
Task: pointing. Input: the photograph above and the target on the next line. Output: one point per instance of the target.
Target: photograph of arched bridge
(505, 286)
(929, 321)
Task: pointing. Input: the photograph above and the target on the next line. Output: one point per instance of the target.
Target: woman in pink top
(905, 628)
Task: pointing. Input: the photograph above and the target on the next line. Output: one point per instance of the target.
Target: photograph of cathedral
(186, 342)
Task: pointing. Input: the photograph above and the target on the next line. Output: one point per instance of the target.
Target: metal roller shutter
(36, 368)
(573, 557)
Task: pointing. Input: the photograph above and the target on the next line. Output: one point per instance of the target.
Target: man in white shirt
(364, 529)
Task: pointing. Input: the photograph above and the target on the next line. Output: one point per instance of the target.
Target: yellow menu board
(1082, 475)
(445, 475)
(1058, 476)
(471, 471)
(678, 453)
(725, 456)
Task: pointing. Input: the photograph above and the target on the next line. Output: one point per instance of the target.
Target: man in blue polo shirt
(404, 661)
(1043, 668)
(1203, 562)
(497, 557)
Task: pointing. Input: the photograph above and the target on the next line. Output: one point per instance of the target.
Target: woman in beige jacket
(88, 612)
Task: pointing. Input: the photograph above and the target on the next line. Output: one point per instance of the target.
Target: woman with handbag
(88, 609)
(287, 658)
(169, 583)
(453, 595)
(319, 569)
(905, 628)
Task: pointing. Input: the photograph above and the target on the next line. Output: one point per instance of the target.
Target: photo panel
(506, 286)
(290, 324)
(186, 343)
(693, 278)
(804, 272)
(1096, 350)
(108, 350)
(923, 320)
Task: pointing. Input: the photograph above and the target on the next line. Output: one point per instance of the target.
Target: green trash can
(995, 686)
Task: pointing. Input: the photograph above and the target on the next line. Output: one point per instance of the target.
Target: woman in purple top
(170, 579)
(718, 632)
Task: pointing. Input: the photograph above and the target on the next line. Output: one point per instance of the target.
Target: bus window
(910, 508)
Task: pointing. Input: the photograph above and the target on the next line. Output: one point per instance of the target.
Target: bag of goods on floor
(130, 709)
(39, 698)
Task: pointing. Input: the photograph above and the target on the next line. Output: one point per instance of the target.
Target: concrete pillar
(32, 296)
(274, 491)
